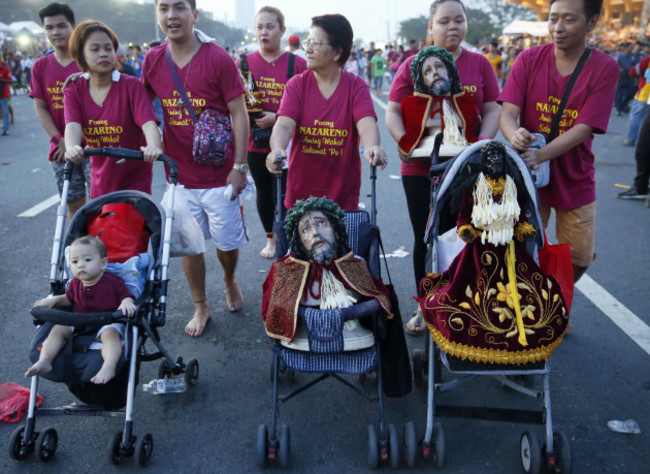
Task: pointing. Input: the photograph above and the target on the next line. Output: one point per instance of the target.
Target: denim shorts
(79, 179)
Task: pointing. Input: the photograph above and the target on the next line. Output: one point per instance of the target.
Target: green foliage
(131, 21)
(413, 29)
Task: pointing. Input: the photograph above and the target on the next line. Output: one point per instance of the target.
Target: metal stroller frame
(383, 443)
(151, 308)
(556, 452)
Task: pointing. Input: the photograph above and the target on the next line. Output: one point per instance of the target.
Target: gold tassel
(512, 286)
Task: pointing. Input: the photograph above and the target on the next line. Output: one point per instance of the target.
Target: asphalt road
(598, 374)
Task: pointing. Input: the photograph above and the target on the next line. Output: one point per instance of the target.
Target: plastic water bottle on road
(162, 386)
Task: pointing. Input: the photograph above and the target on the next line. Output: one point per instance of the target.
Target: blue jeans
(636, 117)
(4, 103)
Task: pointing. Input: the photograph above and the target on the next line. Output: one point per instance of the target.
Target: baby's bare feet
(104, 375)
(40, 367)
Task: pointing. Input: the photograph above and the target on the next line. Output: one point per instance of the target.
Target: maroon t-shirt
(105, 295)
(116, 123)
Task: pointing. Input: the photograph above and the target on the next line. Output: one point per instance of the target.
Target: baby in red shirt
(90, 291)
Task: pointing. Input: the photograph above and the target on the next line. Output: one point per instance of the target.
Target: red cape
(285, 285)
(417, 108)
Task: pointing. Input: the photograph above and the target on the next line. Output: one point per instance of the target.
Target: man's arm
(561, 144)
(47, 122)
(237, 108)
(520, 138)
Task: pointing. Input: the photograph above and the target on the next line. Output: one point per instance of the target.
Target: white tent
(533, 28)
(31, 27)
(4, 27)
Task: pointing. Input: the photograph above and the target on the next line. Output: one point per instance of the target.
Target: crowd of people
(308, 112)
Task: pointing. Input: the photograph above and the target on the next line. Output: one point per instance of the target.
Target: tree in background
(486, 21)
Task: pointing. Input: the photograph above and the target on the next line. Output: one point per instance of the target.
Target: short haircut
(273, 11)
(54, 9)
(93, 241)
(339, 33)
(591, 7)
(191, 2)
(436, 3)
(80, 35)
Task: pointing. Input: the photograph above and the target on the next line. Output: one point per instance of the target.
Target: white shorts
(97, 343)
(220, 219)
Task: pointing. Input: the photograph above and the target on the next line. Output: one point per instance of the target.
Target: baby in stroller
(92, 290)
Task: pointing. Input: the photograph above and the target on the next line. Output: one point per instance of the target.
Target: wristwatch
(55, 138)
(241, 167)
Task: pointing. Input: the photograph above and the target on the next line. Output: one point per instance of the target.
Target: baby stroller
(555, 453)
(76, 364)
(364, 349)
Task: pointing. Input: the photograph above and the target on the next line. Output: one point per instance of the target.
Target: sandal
(415, 326)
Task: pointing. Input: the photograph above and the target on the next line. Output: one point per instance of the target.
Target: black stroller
(76, 364)
(554, 454)
(368, 353)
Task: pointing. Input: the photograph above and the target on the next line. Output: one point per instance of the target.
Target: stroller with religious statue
(488, 307)
(330, 314)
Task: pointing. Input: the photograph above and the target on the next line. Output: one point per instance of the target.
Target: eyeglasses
(310, 43)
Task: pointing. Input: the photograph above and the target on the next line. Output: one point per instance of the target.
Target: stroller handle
(123, 153)
(66, 318)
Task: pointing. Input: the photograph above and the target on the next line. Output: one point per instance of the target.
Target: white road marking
(41, 206)
(625, 319)
(379, 102)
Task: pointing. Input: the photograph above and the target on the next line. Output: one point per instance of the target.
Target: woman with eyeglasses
(325, 111)
(447, 29)
(270, 68)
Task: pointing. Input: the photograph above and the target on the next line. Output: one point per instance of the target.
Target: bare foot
(104, 375)
(40, 367)
(269, 250)
(234, 296)
(197, 324)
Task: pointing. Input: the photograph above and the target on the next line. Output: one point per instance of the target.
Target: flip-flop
(417, 323)
(627, 426)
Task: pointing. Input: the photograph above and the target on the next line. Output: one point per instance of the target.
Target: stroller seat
(354, 339)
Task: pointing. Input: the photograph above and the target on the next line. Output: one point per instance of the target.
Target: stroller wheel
(143, 450)
(531, 454)
(262, 446)
(285, 447)
(46, 444)
(393, 444)
(373, 447)
(562, 450)
(419, 367)
(410, 444)
(164, 369)
(17, 450)
(439, 440)
(113, 449)
(192, 373)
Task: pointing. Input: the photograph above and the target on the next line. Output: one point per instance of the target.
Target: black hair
(436, 3)
(341, 246)
(591, 7)
(339, 32)
(54, 9)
